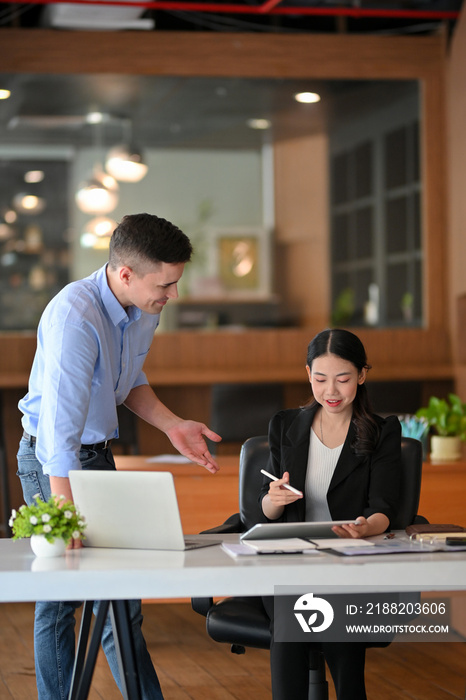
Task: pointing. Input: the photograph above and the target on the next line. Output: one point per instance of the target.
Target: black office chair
(243, 622)
(128, 438)
(239, 410)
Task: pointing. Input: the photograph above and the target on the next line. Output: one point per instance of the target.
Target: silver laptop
(131, 510)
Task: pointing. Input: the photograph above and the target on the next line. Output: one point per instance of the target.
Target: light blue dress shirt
(90, 353)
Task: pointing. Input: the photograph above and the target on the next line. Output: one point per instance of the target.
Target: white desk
(97, 574)
(118, 575)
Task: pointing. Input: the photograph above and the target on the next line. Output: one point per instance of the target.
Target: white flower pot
(43, 548)
(445, 448)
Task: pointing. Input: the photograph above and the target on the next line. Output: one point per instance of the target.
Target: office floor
(191, 666)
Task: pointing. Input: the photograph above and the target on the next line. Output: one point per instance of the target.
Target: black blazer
(361, 485)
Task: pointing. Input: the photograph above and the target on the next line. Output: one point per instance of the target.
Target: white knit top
(321, 464)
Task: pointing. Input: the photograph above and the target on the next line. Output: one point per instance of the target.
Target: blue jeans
(54, 623)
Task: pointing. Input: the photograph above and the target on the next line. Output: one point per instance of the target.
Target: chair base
(243, 622)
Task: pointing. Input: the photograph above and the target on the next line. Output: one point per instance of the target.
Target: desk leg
(82, 645)
(124, 647)
(84, 667)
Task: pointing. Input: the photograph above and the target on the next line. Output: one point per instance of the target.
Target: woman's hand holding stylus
(280, 494)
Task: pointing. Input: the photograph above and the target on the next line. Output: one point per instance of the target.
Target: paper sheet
(174, 459)
(257, 547)
(342, 543)
(290, 544)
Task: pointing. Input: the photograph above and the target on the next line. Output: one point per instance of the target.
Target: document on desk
(290, 545)
(285, 545)
(170, 459)
(387, 547)
(338, 543)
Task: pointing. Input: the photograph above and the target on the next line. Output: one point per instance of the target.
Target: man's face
(151, 292)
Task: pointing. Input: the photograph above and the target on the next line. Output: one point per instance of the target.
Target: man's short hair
(142, 239)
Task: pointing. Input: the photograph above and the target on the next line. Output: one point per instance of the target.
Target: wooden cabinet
(443, 492)
(205, 500)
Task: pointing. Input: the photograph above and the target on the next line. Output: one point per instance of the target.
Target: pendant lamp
(97, 233)
(98, 195)
(125, 163)
(26, 203)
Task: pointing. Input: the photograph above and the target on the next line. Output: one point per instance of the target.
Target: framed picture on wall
(240, 260)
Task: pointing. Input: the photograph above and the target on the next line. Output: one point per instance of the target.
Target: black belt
(95, 446)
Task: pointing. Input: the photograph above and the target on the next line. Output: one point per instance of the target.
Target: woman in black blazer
(346, 461)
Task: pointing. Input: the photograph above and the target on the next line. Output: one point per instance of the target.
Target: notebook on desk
(131, 510)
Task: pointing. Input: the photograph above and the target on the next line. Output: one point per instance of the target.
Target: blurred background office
(315, 161)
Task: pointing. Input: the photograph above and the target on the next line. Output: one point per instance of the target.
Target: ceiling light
(98, 195)
(90, 240)
(94, 117)
(259, 123)
(34, 176)
(125, 163)
(101, 226)
(97, 233)
(25, 203)
(72, 16)
(5, 232)
(87, 240)
(307, 97)
(10, 216)
(4, 94)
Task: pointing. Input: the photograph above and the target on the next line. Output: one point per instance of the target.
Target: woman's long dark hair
(346, 345)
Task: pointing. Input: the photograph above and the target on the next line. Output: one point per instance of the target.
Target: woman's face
(334, 383)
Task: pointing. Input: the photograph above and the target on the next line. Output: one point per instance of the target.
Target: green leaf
(62, 520)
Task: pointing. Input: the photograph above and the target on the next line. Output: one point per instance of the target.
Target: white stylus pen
(286, 486)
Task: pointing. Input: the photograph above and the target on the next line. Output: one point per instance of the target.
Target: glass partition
(210, 170)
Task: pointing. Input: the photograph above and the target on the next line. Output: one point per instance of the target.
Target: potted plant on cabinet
(448, 420)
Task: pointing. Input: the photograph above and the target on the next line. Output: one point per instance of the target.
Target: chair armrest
(420, 519)
(202, 605)
(231, 524)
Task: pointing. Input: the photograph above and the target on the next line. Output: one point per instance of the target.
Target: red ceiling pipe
(268, 7)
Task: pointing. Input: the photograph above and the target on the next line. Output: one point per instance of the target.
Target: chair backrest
(254, 456)
(240, 410)
(411, 475)
(128, 439)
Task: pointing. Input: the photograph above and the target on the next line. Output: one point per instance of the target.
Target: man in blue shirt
(92, 341)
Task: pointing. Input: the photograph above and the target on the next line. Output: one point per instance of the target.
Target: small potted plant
(50, 525)
(448, 420)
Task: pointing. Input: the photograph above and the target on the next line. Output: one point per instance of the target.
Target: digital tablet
(306, 530)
